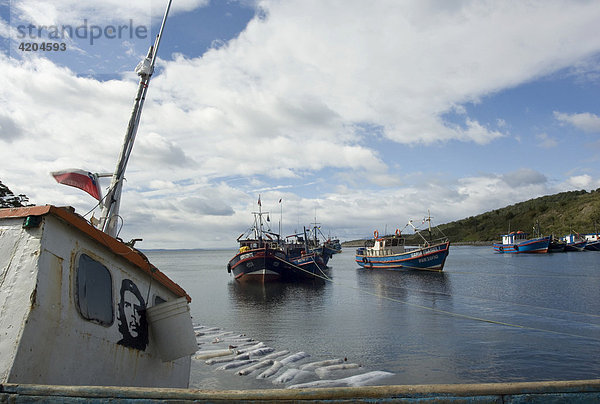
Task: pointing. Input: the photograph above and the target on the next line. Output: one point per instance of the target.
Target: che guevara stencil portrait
(133, 325)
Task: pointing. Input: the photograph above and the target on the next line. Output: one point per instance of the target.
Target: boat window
(94, 293)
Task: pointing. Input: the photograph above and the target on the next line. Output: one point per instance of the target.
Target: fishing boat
(333, 245)
(323, 246)
(593, 242)
(264, 256)
(574, 241)
(81, 307)
(390, 251)
(556, 245)
(517, 242)
(309, 262)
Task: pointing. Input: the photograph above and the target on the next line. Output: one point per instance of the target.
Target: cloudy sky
(365, 114)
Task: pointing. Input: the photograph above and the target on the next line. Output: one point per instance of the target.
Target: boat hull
(536, 246)
(430, 258)
(593, 246)
(268, 265)
(258, 265)
(576, 246)
(308, 266)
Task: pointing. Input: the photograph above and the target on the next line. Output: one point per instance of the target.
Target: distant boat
(518, 242)
(557, 245)
(263, 256)
(323, 246)
(334, 245)
(593, 242)
(574, 242)
(390, 252)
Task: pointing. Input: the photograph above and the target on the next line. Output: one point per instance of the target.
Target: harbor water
(486, 318)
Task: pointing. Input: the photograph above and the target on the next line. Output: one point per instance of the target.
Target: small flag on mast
(81, 179)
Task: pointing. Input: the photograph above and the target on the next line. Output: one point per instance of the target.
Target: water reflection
(426, 286)
(273, 293)
(276, 312)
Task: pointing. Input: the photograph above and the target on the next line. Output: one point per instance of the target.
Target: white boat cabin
(514, 237)
(573, 238)
(386, 246)
(77, 304)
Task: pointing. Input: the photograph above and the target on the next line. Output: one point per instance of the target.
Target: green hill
(556, 214)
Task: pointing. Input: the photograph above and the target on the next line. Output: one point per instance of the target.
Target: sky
(361, 115)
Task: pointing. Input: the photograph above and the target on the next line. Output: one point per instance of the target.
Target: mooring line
(449, 313)
(466, 316)
(500, 301)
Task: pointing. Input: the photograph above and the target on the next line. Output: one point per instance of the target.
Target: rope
(304, 270)
(319, 268)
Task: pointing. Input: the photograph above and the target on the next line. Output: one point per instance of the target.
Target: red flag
(79, 179)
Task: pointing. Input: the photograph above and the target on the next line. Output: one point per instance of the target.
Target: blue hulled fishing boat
(593, 242)
(574, 241)
(390, 252)
(517, 242)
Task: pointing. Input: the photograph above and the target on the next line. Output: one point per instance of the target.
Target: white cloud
(546, 141)
(587, 122)
(524, 177)
(58, 12)
(583, 181)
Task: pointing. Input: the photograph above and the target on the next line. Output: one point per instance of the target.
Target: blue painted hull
(536, 245)
(430, 258)
(593, 246)
(576, 246)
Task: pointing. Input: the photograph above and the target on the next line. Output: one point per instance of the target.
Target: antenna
(144, 69)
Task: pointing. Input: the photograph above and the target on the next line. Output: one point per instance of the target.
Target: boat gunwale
(579, 389)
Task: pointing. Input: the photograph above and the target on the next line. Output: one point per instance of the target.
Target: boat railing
(440, 240)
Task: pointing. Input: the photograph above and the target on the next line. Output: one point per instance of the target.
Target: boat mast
(110, 211)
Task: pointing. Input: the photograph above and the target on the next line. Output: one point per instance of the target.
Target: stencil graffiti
(133, 325)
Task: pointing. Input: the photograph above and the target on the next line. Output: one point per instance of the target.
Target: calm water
(486, 318)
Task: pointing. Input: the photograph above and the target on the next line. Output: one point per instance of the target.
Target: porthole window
(94, 291)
